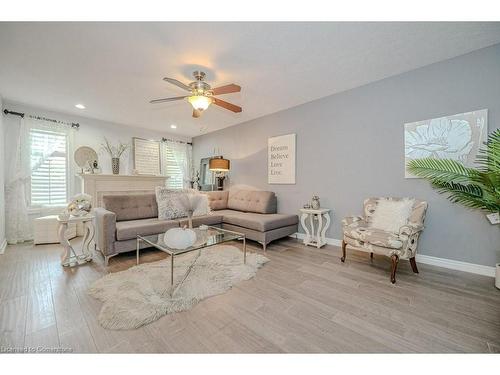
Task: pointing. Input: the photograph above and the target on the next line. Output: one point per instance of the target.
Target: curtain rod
(74, 125)
(173, 140)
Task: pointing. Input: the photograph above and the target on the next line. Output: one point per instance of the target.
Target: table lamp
(220, 166)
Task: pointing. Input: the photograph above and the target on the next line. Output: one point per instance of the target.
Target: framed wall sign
(146, 156)
(281, 159)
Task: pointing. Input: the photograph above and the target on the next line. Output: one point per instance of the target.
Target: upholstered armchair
(359, 234)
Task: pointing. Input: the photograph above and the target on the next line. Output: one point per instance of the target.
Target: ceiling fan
(201, 95)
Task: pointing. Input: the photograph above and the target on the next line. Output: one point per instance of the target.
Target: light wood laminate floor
(303, 300)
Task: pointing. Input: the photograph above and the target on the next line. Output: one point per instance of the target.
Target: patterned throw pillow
(169, 206)
(174, 203)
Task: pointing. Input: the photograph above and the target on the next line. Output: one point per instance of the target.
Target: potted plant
(477, 188)
(115, 152)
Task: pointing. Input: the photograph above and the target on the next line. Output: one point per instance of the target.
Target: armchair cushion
(361, 231)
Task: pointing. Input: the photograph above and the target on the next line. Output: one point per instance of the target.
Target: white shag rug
(141, 294)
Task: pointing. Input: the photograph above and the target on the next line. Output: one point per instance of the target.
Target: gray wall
(350, 146)
(2, 194)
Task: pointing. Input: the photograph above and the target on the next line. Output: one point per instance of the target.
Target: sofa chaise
(253, 213)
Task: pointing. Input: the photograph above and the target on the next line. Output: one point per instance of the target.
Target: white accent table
(70, 258)
(315, 234)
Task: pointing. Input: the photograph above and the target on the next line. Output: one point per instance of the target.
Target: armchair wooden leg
(413, 265)
(343, 251)
(395, 260)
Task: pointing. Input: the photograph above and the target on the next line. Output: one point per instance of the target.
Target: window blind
(176, 164)
(173, 169)
(49, 168)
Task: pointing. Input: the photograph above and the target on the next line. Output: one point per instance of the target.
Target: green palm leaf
(489, 157)
(440, 169)
(473, 188)
(467, 195)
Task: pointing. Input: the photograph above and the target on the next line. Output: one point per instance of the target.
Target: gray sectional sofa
(253, 213)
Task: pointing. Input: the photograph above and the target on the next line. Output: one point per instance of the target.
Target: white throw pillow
(391, 215)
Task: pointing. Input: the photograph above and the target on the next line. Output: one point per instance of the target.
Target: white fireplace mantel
(98, 185)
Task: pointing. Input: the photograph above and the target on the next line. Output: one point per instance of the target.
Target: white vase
(497, 276)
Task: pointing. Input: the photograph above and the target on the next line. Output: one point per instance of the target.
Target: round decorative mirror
(85, 157)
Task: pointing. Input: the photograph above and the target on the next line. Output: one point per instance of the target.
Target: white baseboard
(329, 241)
(3, 245)
(457, 265)
(434, 261)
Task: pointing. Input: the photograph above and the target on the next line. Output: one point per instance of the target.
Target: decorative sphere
(179, 238)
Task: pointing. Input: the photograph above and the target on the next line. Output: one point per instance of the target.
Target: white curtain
(18, 173)
(182, 157)
(17, 182)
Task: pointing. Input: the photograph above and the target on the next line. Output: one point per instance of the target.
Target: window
(49, 168)
(176, 164)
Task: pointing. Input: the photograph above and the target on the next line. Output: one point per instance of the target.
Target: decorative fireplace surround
(98, 185)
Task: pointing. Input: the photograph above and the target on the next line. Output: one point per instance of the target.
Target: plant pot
(115, 165)
(497, 275)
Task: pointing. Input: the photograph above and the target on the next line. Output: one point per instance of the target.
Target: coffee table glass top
(204, 238)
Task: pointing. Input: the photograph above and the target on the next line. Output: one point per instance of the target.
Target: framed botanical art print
(458, 137)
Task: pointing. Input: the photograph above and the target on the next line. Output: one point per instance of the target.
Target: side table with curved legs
(315, 234)
(69, 257)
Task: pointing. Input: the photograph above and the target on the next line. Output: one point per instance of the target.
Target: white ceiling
(116, 68)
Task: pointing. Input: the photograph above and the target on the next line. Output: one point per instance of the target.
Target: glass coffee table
(204, 238)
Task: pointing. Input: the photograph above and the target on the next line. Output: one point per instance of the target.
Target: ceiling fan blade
(226, 105)
(177, 83)
(155, 101)
(227, 89)
(196, 113)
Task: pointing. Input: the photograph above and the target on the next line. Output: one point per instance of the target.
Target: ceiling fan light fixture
(200, 102)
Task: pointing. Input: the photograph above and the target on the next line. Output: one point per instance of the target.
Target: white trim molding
(3, 245)
(433, 261)
(457, 265)
(329, 241)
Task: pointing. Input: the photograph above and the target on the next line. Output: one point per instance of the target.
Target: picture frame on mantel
(147, 160)
(281, 157)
